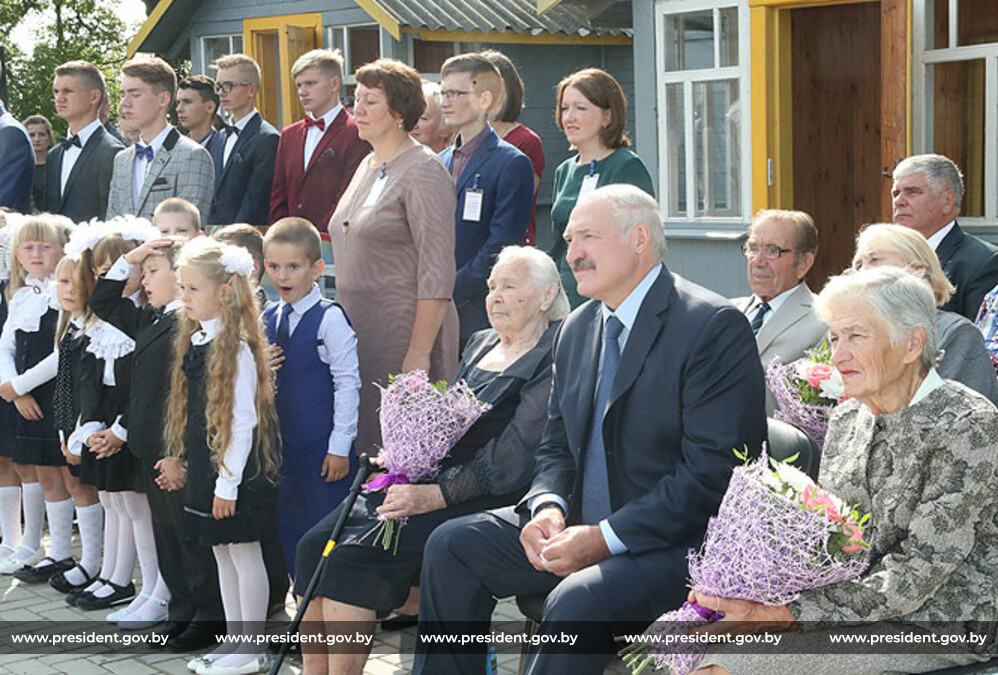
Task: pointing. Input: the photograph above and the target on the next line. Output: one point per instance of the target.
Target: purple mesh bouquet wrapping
(775, 535)
(420, 423)
(806, 390)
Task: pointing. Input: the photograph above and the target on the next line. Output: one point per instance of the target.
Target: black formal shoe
(399, 621)
(59, 582)
(89, 601)
(276, 608)
(74, 595)
(43, 570)
(169, 630)
(198, 636)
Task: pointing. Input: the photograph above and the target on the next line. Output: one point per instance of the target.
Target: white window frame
(687, 78)
(205, 63)
(327, 35)
(921, 86)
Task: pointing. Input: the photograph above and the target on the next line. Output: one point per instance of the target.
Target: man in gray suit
(78, 169)
(780, 251)
(163, 163)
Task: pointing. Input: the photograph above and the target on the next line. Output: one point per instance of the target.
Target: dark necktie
(69, 142)
(231, 129)
(284, 327)
(595, 486)
(143, 151)
(759, 316)
(62, 401)
(310, 122)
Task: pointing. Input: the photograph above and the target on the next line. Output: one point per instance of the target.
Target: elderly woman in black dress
(509, 367)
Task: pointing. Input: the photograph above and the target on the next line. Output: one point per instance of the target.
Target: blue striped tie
(595, 486)
(759, 317)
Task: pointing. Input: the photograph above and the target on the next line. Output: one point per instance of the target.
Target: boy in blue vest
(318, 384)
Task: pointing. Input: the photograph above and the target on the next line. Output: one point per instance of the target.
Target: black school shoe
(169, 630)
(74, 595)
(89, 601)
(199, 635)
(59, 582)
(43, 570)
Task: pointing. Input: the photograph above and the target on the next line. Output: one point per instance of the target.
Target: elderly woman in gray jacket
(918, 453)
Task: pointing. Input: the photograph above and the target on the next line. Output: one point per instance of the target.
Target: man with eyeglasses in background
(780, 250)
(244, 159)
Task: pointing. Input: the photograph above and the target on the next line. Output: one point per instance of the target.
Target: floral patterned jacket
(928, 474)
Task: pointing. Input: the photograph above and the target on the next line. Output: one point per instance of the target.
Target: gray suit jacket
(792, 329)
(181, 168)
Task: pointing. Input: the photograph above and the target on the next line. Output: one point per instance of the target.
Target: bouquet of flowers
(806, 390)
(420, 423)
(775, 535)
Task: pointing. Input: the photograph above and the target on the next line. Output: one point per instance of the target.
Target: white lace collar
(108, 343)
(30, 303)
(209, 329)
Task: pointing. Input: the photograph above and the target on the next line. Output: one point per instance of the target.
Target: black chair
(785, 440)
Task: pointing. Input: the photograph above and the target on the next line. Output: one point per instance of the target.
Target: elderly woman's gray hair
(940, 172)
(543, 274)
(902, 300)
(633, 206)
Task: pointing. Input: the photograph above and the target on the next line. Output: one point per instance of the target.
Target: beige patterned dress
(389, 255)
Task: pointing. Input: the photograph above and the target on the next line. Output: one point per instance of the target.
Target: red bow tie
(321, 123)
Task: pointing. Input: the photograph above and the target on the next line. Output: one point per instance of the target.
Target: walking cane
(366, 466)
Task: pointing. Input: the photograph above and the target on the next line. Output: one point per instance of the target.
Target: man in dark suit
(927, 193)
(318, 155)
(78, 169)
(656, 380)
(17, 162)
(197, 109)
(244, 160)
(162, 164)
(495, 182)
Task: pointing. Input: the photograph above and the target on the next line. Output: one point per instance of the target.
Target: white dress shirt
(338, 351)
(25, 311)
(243, 414)
(938, 237)
(627, 314)
(231, 139)
(72, 153)
(141, 167)
(313, 135)
(774, 304)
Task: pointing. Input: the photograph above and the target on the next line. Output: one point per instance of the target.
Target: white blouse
(24, 313)
(243, 414)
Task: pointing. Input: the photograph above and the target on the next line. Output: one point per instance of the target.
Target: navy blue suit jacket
(971, 264)
(506, 178)
(689, 389)
(17, 163)
(242, 187)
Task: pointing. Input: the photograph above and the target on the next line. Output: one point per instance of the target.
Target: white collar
(173, 305)
(938, 237)
(303, 304)
(78, 320)
(778, 301)
(330, 115)
(931, 382)
(31, 302)
(241, 124)
(209, 329)
(108, 343)
(627, 312)
(157, 143)
(86, 132)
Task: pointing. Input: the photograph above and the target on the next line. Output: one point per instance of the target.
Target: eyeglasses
(768, 251)
(451, 94)
(227, 87)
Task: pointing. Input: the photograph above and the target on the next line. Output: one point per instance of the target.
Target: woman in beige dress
(393, 243)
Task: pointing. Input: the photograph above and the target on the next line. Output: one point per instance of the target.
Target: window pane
(427, 57)
(717, 125)
(365, 45)
(676, 142)
(728, 36)
(936, 24)
(237, 44)
(978, 22)
(957, 124)
(689, 41)
(213, 48)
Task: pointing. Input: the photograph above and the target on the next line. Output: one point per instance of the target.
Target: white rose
(833, 388)
(794, 477)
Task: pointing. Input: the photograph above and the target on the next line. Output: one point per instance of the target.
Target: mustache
(583, 264)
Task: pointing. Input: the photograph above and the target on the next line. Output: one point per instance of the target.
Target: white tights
(242, 579)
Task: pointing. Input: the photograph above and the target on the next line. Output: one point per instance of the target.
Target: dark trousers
(273, 560)
(470, 561)
(188, 569)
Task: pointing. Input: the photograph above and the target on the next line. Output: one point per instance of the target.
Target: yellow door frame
(278, 25)
(772, 106)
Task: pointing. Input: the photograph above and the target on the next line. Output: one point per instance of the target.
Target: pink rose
(855, 544)
(818, 373)
(815, 498)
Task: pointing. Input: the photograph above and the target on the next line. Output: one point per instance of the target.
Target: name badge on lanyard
(376, 189)
(473, 202)
(589, 182)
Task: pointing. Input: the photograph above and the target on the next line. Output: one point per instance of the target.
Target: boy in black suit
(78, 169)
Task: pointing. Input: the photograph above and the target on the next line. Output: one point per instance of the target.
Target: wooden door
(836, 98)
(295, 41)
(276, 42)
